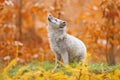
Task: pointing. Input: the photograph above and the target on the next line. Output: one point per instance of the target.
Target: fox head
(56, 23)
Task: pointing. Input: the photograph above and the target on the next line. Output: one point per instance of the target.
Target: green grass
(96, 68)
(14, 70)
(47, 65)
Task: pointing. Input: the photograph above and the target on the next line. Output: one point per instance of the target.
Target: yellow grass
(80, 72)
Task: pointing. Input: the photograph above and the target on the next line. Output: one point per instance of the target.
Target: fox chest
(57, 45)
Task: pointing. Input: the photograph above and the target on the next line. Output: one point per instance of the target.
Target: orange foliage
(86, 19)
(1, 1)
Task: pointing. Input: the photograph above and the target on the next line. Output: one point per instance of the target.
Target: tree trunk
(110, 56)
(19, 20)
(110, 50)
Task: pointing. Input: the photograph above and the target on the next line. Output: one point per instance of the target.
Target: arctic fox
(65, 46)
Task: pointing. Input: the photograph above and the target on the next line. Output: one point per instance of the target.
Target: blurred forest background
(23, 28)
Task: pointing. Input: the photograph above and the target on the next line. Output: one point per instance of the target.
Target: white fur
(64, 45)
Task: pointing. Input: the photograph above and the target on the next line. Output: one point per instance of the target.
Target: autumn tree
(111, 13)
(100, 29)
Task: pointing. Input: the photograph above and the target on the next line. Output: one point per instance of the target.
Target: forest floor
(36, 70)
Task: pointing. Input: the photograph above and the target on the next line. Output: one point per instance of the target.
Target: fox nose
(49, 15)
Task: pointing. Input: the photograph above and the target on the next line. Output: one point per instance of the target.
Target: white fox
(62, 44)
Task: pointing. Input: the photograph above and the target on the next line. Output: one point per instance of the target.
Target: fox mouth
(62, 25)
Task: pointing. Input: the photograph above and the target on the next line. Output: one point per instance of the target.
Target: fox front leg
(57, 58)
(65, 58)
